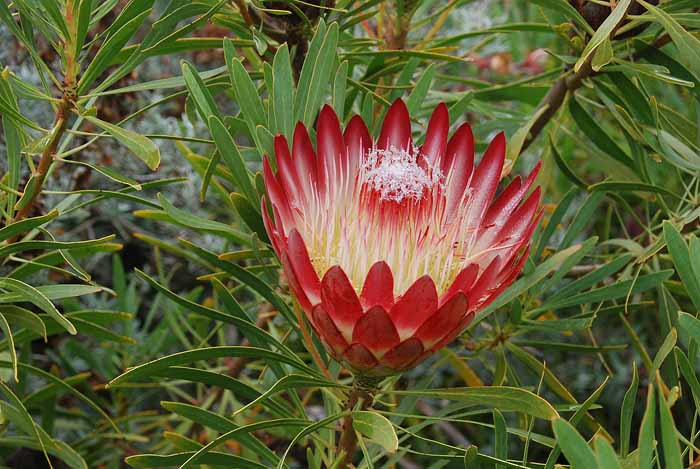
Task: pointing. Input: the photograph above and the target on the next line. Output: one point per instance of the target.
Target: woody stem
(362, 393)
(47, 157)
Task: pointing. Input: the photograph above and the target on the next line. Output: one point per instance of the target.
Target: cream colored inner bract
(392, 209)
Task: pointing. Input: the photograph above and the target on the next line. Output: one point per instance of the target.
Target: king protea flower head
(391, 248)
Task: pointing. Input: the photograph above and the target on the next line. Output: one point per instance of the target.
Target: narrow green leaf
(283, 92)
(108, 172)
(603, 55)
(618, 290)
(171, 29)
(500, 437)
(54, 292)
(565, 267)
(244, 90)
(517, 140)
(647, 442)
(664, 350)
(553, 383)
(231, 434)
(247, 278)
(619, 186)
(567, 10)
(5, 327)
(694, 256)
(603, 33)
(471, 458)
(21, 246)
(404, 78)
(677, 153)
(306, 431)
(567, 346)
(164, 83)
(606, 454)
(221, 424)
(627, 411)
(109, 49)
(131, 10)
(503, 398)
(690, 324)
(250, 215)
(460, 106)
(376, 428)
(61, 384)
(505, 28)
(12, 138)
(339, 87)
(574, 447)
(15, 229)
(22, 317)
(142, 147)
(631, 93)
(100, 333)
(233, 159)
(541, 370)
(657, 72)
(207, 353)
(30, 190)
(84, 8)
(240, 389)
(32, 295)
(596, 133)
(56, 17)
(554, 221)
(669, 438)
(203, 100)
(292, 381)
(265, 140)
(593, 278)
(689, 374)
(246, 327)
(212, 459)
(564, 166)
(305, 82)
(658, 58)
(185, 218)
(687, 44)
(181, 442)
(582, 219)
(321, 73)
(526, 282)
(420, 91)
(680, 254)
(9, 111)
(24, 419)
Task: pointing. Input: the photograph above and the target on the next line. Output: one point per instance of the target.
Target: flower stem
(362, 393)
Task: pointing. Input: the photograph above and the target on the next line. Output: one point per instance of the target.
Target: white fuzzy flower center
(396, 175)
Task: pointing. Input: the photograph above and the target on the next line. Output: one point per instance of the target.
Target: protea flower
(391, 248)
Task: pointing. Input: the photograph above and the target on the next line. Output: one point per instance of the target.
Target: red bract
(389, 248)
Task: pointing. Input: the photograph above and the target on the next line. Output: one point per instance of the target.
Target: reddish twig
(569, 83)
(362, 393)
(348, 439)
(47, 157)
(555, 98)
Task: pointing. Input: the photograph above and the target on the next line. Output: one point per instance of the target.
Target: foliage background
(127, 125)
